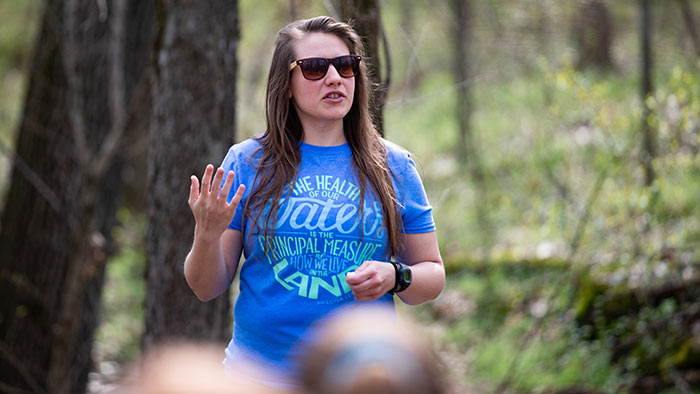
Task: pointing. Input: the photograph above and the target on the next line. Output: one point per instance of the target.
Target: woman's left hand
(371, 280)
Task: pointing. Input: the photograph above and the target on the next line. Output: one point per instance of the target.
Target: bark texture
(468, 147)
(593, 35)
(65, 187)
(365, 17)
(647, 88)
(193, 124)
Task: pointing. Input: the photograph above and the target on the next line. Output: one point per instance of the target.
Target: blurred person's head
(366, 351)
(186, 368)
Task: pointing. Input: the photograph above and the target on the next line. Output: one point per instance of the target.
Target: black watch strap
(403, 277)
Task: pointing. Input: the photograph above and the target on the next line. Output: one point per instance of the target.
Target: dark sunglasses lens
(346, 65)
(314, 68)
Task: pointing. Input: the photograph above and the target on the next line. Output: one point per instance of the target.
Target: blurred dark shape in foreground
(369, 350)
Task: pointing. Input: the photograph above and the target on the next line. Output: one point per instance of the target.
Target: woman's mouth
(334, 97)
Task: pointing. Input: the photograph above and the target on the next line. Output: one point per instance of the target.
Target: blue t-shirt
(316, 241)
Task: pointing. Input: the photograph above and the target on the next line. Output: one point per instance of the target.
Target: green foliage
(559, 249)
(649, 331)
(18, 25)
(510, 299)
(119, 336)
(18, 18)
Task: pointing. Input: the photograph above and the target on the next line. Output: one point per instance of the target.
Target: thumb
(351, 278)
(356, 277)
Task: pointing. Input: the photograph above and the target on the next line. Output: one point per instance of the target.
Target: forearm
(209, 267)
(428, 280)
(206, 271)
(373, 279)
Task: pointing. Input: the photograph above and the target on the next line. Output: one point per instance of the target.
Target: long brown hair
(281, 156)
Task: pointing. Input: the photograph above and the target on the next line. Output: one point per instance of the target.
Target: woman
(322, 205)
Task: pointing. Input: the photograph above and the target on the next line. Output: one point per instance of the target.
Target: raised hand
(212, 213)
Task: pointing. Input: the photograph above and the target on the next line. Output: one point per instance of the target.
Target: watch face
(406, 276)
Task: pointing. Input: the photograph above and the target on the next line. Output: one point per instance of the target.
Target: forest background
(560, 153)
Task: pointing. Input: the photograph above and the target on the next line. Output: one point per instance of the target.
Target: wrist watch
(403, 277)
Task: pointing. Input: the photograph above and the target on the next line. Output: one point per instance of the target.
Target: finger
(237, 197)
(370, 288)
(352, 279)
(364, 286)
(206, 179)
(367, 295)
(194, 190)
(356, 278)
(360, 274)
(227, 186)
(216, 185)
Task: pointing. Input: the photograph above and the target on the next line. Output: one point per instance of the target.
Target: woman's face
(328, 99)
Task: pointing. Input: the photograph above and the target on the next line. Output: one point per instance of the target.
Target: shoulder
(397, 157)
(245, 148)
(242, 154)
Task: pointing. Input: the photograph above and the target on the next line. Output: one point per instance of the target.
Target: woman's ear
(289, 93)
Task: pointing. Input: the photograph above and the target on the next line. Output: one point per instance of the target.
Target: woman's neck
(323, 133)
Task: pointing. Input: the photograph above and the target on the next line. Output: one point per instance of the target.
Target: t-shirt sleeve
(231, 163)
(416, 212)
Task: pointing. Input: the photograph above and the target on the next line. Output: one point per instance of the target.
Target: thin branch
(331, 10)
(20, 282)
(560, 186)
(574, 244)
(445, 90)
(9, 389)
(505, 382)
(573, 248)
(585, 216)
(413, 57)
(22, 369)
(117, 100)
(33, 178)
(387, 59)
(74, 85)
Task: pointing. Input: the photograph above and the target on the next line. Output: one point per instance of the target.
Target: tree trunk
(593, 35)
(415, 39)
(690, 25)
(461, 40)
(648, 143)
(193, 124)
(66, 183)
(467, 149)
(365, 17)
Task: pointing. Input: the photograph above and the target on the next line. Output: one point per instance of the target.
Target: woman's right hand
(212, 213)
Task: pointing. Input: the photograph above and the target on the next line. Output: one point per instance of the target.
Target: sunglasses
(315, 68)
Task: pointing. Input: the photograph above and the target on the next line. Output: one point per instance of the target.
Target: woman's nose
(332, 75)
